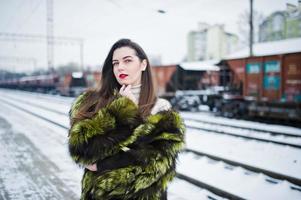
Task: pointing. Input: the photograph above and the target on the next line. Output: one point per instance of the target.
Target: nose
(120, 67)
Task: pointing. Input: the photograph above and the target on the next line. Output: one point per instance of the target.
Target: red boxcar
(272, 83)
(269, 78)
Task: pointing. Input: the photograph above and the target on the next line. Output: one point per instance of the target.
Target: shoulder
(160, 105)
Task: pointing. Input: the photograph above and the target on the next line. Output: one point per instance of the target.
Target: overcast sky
(101, 22)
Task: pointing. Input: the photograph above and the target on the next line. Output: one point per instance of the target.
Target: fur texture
(135, 158)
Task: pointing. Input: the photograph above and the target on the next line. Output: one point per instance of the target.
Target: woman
(125, 137)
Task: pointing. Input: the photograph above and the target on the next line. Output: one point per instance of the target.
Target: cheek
(137, 75)
(135, 72)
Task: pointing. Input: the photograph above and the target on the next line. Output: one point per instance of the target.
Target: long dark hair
(99, 97)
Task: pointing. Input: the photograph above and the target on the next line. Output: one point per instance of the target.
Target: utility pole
(81, 46)
(50, 57)
(50, 39)
(251, 28)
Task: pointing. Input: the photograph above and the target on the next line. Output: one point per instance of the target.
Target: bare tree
(244, 28)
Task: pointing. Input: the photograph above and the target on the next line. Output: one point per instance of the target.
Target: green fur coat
(135, 157)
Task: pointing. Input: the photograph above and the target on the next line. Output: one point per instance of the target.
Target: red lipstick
(122, 76)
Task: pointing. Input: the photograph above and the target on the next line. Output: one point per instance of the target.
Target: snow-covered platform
(35, 163)
(26, 173)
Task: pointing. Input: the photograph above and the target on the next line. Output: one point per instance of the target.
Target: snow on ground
(55, 98)
(242, 123)
(246, 151)
(40, 102)
(281, 159)
(245, 132)
(33, 160)
(56, 117)
(35, 163)
(182, 190)
(51, 142)
(63, 104)
(235, 180)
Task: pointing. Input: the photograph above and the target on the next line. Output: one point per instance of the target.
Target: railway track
(37, 105)
(241, 176)
(182, 176)
(199, 126)
(251, 168)
(245, 128)
(218, 129)
(194, 127)
(49, 97)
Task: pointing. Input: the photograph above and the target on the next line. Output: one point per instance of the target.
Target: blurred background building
(282, 24)
(210, 42)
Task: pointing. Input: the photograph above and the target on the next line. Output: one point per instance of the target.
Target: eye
(127, 61)
(115, 63)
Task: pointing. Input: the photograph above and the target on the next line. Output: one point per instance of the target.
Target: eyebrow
(123, 58)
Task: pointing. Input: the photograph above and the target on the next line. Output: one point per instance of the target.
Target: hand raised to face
(92, 167)
(125, 90)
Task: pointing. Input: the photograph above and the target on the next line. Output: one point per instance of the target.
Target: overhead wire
(10, 20)
(32, 12)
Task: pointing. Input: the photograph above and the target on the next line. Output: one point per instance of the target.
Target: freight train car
(188, 84)
(71, 84)
(269, 82)
(75, 83)
(40, 83)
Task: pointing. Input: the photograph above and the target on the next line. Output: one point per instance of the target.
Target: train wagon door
(271, 80)
(292, 78)
(253, 79)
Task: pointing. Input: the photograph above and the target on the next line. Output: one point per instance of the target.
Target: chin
(124, 82)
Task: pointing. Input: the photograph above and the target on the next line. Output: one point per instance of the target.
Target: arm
(97, 138)
(88, 136)
(149, 162)
(149, 168)
(151, 147)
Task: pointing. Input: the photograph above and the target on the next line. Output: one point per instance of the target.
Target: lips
(122, 76)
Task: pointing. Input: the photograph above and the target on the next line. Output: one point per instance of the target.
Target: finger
(128, 88)
(121, 89)
(91, 167)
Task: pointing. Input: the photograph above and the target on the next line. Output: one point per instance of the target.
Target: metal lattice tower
(50, 52)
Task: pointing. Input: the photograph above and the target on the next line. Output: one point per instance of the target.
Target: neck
(136, 86)
(136, 91)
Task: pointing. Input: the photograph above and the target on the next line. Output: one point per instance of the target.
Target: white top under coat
(161, 104)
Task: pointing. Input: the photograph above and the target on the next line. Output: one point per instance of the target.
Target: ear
(144, 64)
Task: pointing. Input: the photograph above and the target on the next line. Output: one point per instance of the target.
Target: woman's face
(127, 67)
